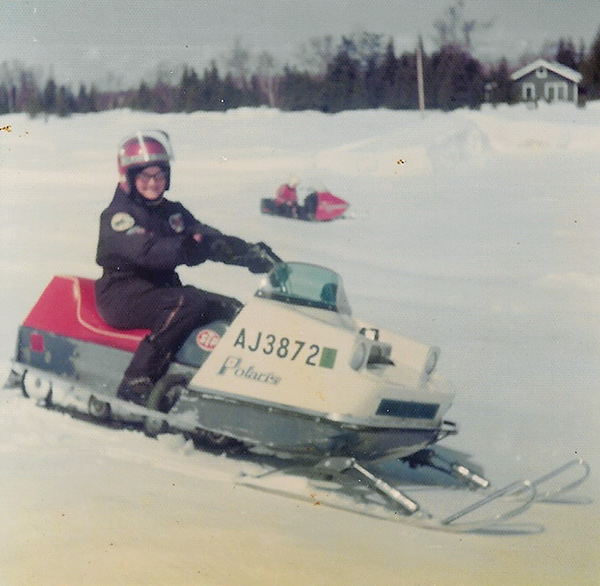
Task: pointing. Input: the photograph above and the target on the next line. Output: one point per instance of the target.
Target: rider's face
(151, 182)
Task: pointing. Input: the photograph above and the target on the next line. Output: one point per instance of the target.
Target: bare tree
(455, 30)
(318, 54)
(267, 76)
(238, 62)
(365, 46)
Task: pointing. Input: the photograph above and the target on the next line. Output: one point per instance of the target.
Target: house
(545, 80)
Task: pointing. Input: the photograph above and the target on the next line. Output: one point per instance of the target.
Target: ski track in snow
(476, 231)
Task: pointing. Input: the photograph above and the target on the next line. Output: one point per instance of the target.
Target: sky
(122, 41)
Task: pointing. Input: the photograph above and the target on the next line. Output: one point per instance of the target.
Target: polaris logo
(233, 365)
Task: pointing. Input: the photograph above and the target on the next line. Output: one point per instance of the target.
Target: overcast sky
(82, 41)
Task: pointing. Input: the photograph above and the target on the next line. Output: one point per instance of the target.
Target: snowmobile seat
(67, 307)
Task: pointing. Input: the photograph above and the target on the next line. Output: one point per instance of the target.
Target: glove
(228, 249)
(194, 253)
(257, 260)
(220, 251)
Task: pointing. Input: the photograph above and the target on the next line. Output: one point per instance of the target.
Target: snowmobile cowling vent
(67, 307)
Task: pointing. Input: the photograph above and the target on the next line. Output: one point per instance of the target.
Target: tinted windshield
(307, 285)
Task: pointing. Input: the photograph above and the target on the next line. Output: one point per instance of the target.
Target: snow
(476, 231)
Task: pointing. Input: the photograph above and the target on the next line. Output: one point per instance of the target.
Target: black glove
(194, 253)
(228, 249)
(258, 259)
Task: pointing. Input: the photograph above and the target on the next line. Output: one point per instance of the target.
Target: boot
(136, 390)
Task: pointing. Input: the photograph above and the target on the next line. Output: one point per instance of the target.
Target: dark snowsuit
(140, 245)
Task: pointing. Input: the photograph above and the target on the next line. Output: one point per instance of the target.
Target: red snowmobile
(319, 206)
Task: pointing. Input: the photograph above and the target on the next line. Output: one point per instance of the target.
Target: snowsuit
(286, 200)
(140, 245)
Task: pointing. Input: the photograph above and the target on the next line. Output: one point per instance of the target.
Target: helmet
(143, 149)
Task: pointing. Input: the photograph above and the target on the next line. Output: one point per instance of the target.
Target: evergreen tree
(49, 97)
(389, 79)
(373, 83)
(590, 69)
(406, 81)
(93, 99)
(189, 91)
(566, 54)
(28, 97)
(83, 100)
(143, 99)
(4, 99)
(230, 97)
(343, 84)
(300, 91)
(163, 98)
(212, 89)
(499, 86)
(65, 102)
(457, 80)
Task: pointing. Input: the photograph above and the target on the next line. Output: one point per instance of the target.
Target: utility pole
(420, 86)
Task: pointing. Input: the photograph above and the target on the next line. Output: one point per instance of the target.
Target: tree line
(361, 72)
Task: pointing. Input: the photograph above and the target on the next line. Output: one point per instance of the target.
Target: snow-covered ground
(474, 231)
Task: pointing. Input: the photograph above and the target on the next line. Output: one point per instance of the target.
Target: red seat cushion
(67, 307)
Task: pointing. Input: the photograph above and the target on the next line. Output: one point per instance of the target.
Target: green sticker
(328, 357)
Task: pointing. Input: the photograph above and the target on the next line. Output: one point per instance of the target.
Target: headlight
(432, 359)
(358, 356)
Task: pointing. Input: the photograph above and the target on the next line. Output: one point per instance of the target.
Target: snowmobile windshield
(306, 285)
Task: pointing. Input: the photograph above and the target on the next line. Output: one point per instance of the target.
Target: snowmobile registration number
(286, 348)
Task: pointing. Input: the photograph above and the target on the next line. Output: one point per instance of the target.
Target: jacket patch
(176, 222)
(121, 222)
(136, 230)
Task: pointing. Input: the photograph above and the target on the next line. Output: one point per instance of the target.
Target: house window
(528, 92)
(541, 72)
(557, 91)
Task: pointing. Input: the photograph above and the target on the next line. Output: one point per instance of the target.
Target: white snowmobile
(293, 375)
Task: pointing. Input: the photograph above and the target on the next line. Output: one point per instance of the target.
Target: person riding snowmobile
(143, 238)
(286, 199)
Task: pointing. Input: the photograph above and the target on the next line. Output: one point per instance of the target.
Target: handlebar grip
(268, 253)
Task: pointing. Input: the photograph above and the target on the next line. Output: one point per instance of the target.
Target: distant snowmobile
(293, 375)
(319, 206)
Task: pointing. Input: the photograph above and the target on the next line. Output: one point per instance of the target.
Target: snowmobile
(318, 206)
(293, 376)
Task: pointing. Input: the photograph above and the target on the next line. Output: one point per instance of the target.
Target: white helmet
(144, 148)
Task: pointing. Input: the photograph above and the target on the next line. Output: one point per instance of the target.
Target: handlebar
(267, 252)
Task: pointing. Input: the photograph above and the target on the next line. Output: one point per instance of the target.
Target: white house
(545, 80)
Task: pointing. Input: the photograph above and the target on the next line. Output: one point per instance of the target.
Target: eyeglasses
(145, 177)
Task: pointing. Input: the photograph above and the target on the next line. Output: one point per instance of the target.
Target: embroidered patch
(136, 230)
(176, 222)
(121, 222)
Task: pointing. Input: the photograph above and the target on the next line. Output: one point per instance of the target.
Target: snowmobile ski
(375, 497)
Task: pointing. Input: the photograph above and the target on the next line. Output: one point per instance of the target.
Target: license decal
(328, 356)
(287, 348)
(207, 340)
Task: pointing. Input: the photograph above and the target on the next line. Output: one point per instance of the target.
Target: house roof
(557, 68)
